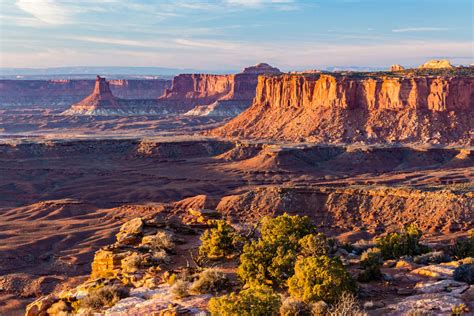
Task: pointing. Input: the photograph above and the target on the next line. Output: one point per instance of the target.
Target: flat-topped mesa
(191, 90)
(436, 64)
(358, 107)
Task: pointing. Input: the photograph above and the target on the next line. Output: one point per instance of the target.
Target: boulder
(434, 304)
(130, 232)
(106, 263)
(437, 271)
(124, 305)
(443, 286)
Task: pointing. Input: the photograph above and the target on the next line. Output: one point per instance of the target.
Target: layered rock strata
(216, 95)
(58, 93)
(103, 103)
(349, 108)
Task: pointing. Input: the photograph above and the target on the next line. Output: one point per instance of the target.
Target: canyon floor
(67, 184)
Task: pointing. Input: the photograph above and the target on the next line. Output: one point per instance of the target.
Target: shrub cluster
(465, 247)
(320, 278)
(272, 257)
(257, 300)
(371, 261)
(219, 241)
(465, 273)
(209, 281)
(404, 243)
(105, 296)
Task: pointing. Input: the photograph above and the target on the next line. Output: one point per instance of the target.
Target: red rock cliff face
(190, 90)
(327, 108)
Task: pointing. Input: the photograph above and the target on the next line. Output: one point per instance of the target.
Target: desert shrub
(459, 310)
(132, 262)
(464, 273)
(219, 241)
(371, 261)
(404, 243)
(160, 256)
(465, 247)
(319, 308)
(320, 278)
(293, 307)
(314, 245)
(271, 258)
(362, 245)
(432, 257)
(105, 296)
(163, 240)
(257, 300)
(180, 288)
(346, 305)
(209, 281)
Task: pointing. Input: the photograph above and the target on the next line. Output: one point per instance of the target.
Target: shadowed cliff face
(55, 93)
(345, 109)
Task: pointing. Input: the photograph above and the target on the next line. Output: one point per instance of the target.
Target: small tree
(371, 260)
(257, 300)
(404, 243)
(465, 247)
(218, 242)
(320, 278)
(271, 258)
(314, 245)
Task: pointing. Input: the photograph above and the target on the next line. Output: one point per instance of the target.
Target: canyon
(361, 154)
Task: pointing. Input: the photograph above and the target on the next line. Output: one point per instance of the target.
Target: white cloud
(49, 11)
(421, 29)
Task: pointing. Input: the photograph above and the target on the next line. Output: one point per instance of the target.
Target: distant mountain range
(91, 72)
(87, 72)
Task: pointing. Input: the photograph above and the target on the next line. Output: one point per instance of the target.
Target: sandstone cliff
(348, 108)
(235, 90)
(59, 93)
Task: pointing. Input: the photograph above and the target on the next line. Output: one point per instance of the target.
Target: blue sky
(230, 34)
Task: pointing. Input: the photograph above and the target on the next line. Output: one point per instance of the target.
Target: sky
(231, 34)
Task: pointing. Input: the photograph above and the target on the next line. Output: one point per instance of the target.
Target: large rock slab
(433, 304)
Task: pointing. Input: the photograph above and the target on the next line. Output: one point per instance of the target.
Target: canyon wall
(375, 208)
(61, 93)
(200, 90)
(338, 108)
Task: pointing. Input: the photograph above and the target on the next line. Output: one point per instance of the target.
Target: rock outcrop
(397, 67)
(349, 208)
(103, 103)
(227, 95)
(60, 93)
(435, 63)
(358, 107)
